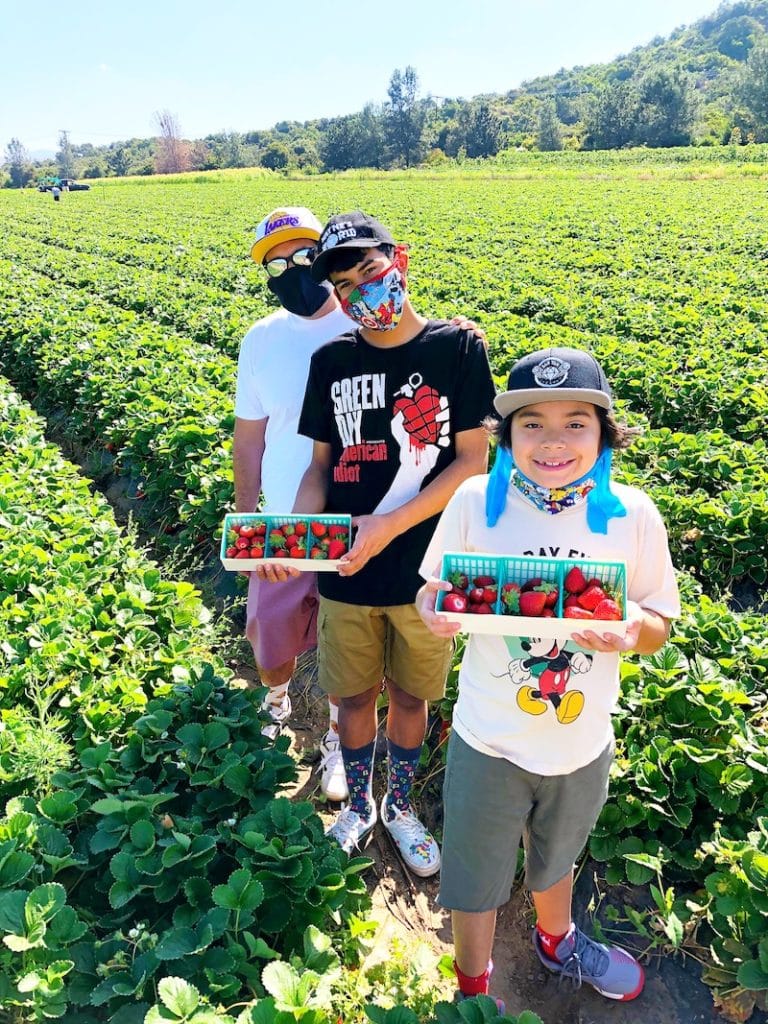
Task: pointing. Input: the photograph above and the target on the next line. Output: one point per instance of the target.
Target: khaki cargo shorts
(357, 645)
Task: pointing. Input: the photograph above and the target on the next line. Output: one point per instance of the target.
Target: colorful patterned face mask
(377, 304)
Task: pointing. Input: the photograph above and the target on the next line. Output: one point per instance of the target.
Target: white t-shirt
(495, 669)
(271, 376)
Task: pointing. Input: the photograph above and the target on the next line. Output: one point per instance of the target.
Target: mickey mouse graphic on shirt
(421, 427)
(551, 666)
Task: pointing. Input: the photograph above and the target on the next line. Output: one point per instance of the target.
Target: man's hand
(608, 642)
(470, 325)
(373, 535)
(426, 599)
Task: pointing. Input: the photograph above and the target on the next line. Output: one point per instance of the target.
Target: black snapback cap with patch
(355, 230)
(555, 375)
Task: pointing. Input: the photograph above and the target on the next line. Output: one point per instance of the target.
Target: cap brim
(319, 269)
(261, 247)
(510, 401)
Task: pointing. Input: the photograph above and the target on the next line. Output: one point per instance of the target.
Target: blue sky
(100, 69)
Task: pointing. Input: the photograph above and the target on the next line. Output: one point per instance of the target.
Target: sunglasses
(300, 258)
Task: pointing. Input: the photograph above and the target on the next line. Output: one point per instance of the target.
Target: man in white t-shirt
(270, 456)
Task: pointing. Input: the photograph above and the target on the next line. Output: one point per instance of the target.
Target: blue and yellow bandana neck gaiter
(594, 487)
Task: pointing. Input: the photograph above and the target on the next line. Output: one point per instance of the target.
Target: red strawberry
(297, 551)
(483, 609)
(231, 552)
(459, 580)
(572, 601)
(484, 581)
(510, 588)
(301, 530)
(454, 603)
(532, 583)
(490, 594)
(608, 609)
(336, 549)
(280, 553)
(288, 529)
(318, 529)
(291, 540)
(551, 592)
(458, 590)
(548, 613)
(575, 581)
(532, 602)
(317, 552)
(248, 531)
(594, 582)
(261, 529)
(476, 595)
(242, 542)
(592, 597)
(337, 532)
(257, 550)
(575, 612)
(243, 553)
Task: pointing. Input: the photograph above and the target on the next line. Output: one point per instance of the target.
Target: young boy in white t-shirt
(532, 739)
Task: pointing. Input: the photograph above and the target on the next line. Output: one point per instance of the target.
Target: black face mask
(297, 292)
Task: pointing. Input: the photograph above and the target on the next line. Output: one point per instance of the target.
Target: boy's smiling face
(555, 443)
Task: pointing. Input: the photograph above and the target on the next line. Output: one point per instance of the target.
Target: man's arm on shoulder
(248, 446)
(376, 531)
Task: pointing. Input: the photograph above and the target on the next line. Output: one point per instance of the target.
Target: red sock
(549, 943)
(469, 986)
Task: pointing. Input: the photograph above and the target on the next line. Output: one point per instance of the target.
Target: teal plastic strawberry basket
(472, 566)
(612, 576)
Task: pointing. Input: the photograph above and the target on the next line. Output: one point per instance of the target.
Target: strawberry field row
(141, 830)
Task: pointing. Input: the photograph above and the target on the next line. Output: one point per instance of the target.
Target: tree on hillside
(172, 155)
(65, 158)
(117, 161)
(483, 131)
(276, 156)
(404, 117)
(19, 166)
(611, 116)
(752, 90)
(550, 136)
(665, 113)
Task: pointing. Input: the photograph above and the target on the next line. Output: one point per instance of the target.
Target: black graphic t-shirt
(391, 416)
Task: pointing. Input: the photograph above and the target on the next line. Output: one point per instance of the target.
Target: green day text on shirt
(391, 416)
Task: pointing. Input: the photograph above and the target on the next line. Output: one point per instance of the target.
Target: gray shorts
(490, 803)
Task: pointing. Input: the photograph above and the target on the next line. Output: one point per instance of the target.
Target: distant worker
(55, 192)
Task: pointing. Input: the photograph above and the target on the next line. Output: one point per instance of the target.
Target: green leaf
(752, 976)
(178, 996)
(242, 892)
(12, 911)
(44, 902)
(16, 866)
(176, 943)
(143, 835)
(59, 807)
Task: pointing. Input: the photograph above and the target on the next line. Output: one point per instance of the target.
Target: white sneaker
(417, 847)
(333, 777)
(350, 829)
(279, 713)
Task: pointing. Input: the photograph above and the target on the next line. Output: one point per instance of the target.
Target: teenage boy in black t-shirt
(394, 409)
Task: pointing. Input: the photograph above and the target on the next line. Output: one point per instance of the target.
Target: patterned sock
(469, 986)
(358, 765)
(401, 769)
(549, 943)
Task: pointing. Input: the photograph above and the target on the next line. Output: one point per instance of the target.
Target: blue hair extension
(602, 503)
(498, 485)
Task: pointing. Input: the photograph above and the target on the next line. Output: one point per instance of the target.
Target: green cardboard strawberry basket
(521, 569)
(273, 521)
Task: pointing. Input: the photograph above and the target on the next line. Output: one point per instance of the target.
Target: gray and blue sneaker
(350, 829)
(610, 970)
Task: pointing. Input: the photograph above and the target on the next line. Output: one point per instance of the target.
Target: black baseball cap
(355, 230)
(555, 375)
